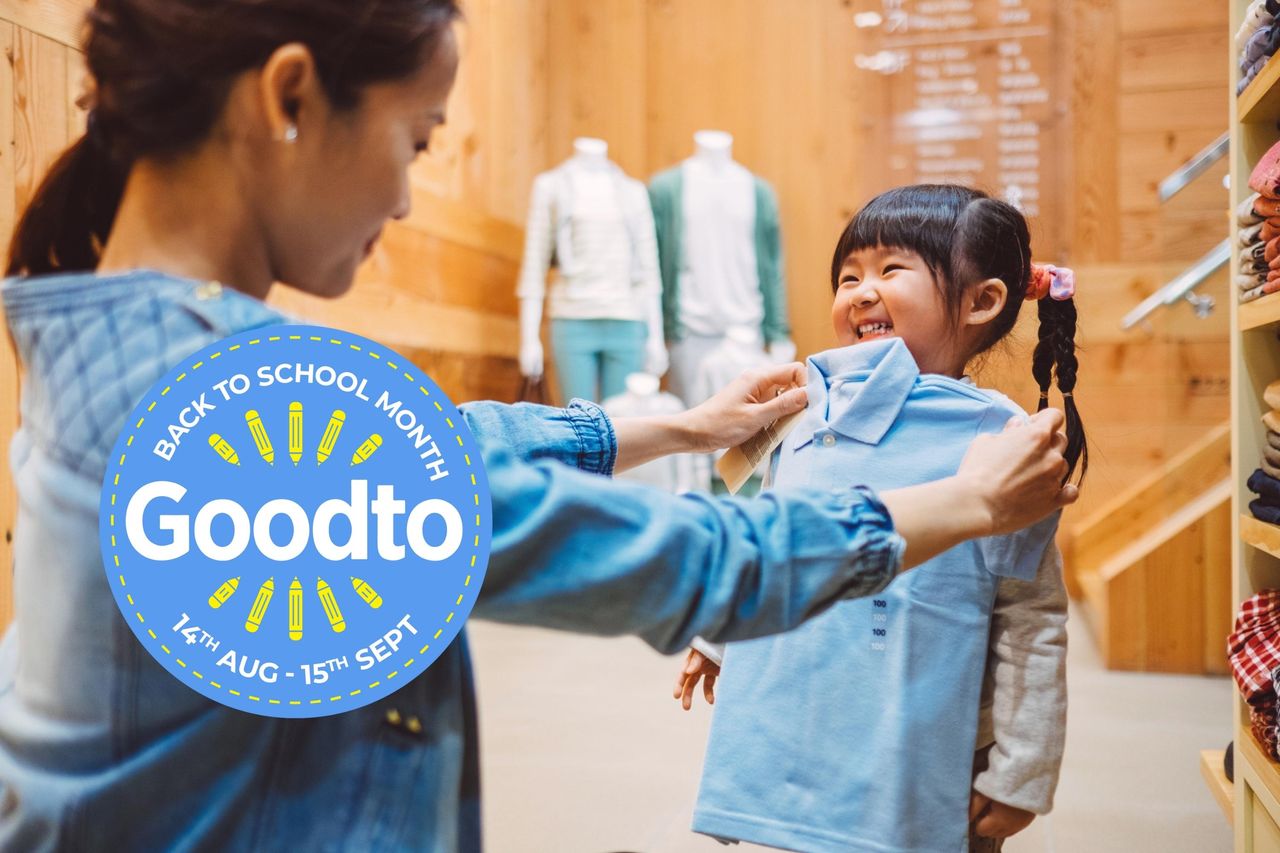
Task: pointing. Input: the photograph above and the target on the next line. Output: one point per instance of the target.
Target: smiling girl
(931, 716)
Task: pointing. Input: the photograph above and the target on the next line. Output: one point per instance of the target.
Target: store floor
(586, 752)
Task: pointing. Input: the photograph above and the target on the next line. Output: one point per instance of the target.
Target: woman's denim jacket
(100, 748)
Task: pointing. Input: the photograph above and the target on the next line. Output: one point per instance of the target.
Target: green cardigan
(666, 194)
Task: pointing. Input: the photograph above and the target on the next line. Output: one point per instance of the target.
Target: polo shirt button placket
(828, 440)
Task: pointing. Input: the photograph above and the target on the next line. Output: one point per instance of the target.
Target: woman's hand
(1018, 474)
(747, 405)
(1007, 481)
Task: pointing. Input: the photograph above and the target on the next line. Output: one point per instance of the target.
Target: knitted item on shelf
(1250, 234)
(1266, 206)
(1267, 487)
(1264, 512)
(1265, 177)
(1262, 724)
(1271, 455)
(1271, 394)
(1245, 214)
(1271, 285)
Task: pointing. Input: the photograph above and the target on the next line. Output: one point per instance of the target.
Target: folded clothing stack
(1253, 651)
(1259, 219)
(1257, 39)
(1258, 267)
(1265, 482)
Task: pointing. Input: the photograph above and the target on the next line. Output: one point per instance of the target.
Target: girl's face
(350, 174)
(886, 292)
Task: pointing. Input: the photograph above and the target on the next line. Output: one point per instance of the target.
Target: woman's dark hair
(163, 70)
(965, 236)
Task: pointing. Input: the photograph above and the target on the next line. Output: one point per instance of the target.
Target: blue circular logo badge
(295, 521)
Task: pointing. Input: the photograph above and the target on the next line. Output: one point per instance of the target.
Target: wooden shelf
(1260, 312)
(1267, 770)
(1216, 778)
(1259, 534)
(1260, 101)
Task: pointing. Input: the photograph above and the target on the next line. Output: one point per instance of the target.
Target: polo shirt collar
(857, 391)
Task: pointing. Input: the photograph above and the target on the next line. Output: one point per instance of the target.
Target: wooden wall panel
(1140, 17)
(597, 82)
(58, 20)
(36, 125)
(9, 383)
(1093, 36)
(1172, 60)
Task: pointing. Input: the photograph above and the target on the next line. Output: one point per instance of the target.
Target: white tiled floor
(585, 752)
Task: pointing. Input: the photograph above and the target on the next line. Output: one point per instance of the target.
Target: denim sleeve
(580, 435)
(607, 557)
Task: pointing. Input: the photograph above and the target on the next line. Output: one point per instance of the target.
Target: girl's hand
(747, 405)
(696, 666)
(992, 819)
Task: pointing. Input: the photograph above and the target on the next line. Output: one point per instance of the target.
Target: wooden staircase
(1152, 566)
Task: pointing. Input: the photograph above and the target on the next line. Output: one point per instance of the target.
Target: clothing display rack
(1255, 354)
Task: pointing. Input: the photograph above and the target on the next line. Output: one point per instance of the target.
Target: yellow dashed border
(315, 339)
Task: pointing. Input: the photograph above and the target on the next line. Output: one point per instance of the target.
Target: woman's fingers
(766, 380)
(786, 403)
(1018, 473)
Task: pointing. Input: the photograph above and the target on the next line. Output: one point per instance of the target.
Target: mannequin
(720, 255)
(680, 473)
(593, 224)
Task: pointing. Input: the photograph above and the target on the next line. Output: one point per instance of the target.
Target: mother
(253, 141)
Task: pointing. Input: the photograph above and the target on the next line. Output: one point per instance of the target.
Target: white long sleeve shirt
(595, 226)
(720, 281)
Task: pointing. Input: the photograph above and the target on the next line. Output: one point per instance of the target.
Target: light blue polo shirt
(856, 731)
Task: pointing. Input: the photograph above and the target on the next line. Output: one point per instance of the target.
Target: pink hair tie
(1058, 283)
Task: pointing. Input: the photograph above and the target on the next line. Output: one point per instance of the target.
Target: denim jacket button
(393, 717)
(414, 725)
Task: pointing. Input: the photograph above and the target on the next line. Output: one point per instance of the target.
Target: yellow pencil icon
(331, 431)
(295, 432)
(330, 605)
(222, 593)
(368, 593)
(366, 450)
(259, 608)
(226, 451)
(260, 437)
(295, 610)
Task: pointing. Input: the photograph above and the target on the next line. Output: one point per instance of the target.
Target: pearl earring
(291, 133)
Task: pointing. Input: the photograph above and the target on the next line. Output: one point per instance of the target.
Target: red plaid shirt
(1253, 649)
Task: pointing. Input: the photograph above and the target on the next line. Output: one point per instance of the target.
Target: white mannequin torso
(719, 284)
